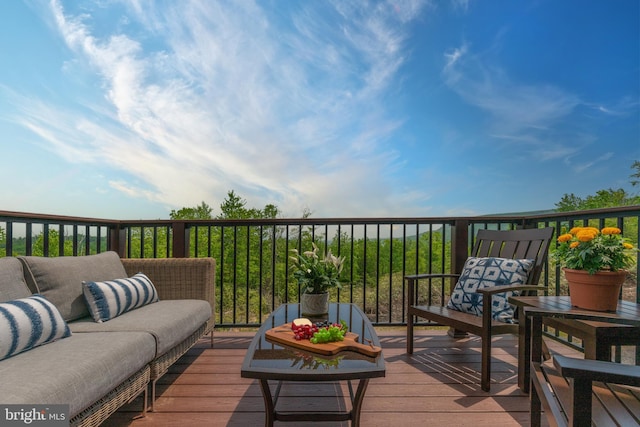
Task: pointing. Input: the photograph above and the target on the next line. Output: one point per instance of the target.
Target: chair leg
(535, 405)
(152, 388)
(485, 376)
(410, 334)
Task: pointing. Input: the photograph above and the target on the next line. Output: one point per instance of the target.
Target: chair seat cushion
(169, 321)
(480, 273)
(77, 371)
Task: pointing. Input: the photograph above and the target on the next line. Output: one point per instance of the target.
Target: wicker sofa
(103, 364)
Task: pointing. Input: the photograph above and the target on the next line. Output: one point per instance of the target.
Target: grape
(303, 332)
(331, 333)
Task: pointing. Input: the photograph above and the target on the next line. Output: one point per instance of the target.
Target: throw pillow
(480, 273)
(109, 299)
(26, 323)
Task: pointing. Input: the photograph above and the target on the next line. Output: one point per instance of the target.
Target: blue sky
(128, 109)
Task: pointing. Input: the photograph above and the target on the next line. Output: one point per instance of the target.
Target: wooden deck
(438, 385)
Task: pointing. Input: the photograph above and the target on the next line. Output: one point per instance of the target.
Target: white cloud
(517, 108)
(202, 97)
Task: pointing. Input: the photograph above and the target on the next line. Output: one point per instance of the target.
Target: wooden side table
(597, 336)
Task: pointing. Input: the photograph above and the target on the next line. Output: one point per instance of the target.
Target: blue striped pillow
(111, 298)
(29, 322)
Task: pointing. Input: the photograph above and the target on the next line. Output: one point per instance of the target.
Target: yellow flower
(586, 235)
(591, 249)
(575, 230)
(611, 230)
(565, 238)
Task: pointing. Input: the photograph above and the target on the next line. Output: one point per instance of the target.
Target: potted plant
(316, 276)
(594, 263)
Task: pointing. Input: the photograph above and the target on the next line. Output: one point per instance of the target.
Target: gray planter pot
(314, 304)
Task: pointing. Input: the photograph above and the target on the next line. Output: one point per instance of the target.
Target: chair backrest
(515, 244)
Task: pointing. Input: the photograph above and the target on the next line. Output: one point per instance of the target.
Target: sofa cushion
(60, 279)
(78, 370)
(110, 299)
(26, 323)
(169, 321)
(480, 273)
(12, 284)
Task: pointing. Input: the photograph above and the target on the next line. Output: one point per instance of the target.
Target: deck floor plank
(438, 386)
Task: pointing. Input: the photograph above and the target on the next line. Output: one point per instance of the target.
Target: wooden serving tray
(284, 335)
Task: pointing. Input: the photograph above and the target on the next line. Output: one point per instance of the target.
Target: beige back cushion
(59, 279)
(12, 284)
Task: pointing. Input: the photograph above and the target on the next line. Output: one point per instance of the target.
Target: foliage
(635, 177)
(234, 207)
(314, 274)
(602, 199)
(202, 211)
(587, 248)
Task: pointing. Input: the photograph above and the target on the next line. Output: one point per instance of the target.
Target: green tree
(3, 242)
(635, 177)
(202, 211)
(568, 203)
(609, 198)
(602, 199)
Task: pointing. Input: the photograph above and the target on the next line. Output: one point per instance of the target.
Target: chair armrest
(412, 279)
(431, 276)
(178, 278)
(498, 289)
(597, 370)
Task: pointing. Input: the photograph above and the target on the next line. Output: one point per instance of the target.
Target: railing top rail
(55, 219)
(515, 218)
(588, 214)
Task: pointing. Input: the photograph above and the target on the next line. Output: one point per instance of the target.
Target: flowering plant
(587, 248)
(316, 275)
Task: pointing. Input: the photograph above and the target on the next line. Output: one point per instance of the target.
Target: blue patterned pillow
(480, 273)
(26, 323)
(109, 299)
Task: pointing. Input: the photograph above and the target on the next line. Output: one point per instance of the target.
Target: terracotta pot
(598, 292)
(314, 304)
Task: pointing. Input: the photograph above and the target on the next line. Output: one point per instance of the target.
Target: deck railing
(252, 256)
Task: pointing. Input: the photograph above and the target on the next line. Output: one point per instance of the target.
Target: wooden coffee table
(267, 361)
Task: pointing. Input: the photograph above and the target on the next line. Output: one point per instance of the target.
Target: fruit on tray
(319, 332)
(331, 333)
(303, 329)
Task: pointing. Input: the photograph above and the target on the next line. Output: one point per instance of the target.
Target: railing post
(117, 239)
(459, 244)
(180, 233)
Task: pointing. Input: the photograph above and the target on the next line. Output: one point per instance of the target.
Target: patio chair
(582, 392)
(528, 247)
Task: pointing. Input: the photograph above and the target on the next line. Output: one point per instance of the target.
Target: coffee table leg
(357, 402)
(269, 407)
